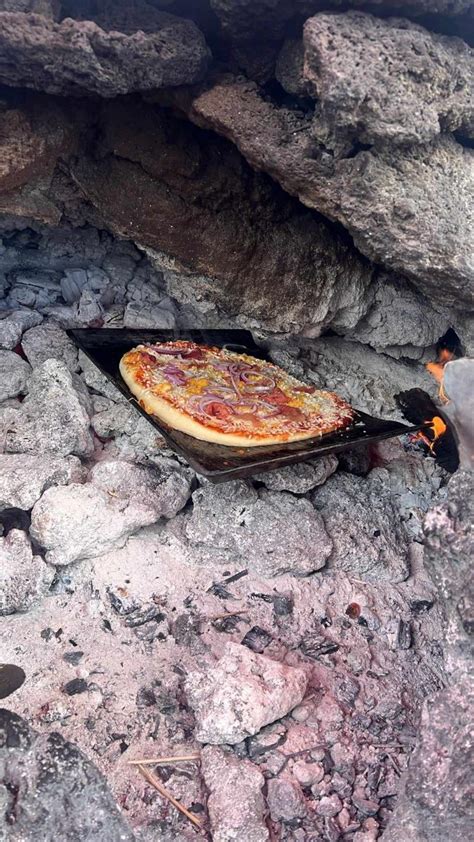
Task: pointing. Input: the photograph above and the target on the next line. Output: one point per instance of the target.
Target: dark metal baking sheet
(106, 346)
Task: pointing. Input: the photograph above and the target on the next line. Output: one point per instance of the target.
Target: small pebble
(329, 805)
(301, 713)
(77, 685)
(308, 774)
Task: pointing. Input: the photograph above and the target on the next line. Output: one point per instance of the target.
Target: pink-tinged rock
(236, 805)
(243, 692)
(24, 577)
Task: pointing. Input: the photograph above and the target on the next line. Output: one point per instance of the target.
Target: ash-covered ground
(284, 628)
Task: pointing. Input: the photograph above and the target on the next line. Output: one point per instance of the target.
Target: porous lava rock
(407, 207)
(84, 520)
(13, 325)
(270, 532)
(24, 577)
(51, 418)
(24, 477)
(300, 478)
(389, 79)
(240, 694)
(151, 50)
(236, 805)
(14, 375)
(38, 774)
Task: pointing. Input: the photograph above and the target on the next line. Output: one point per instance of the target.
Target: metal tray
(217, 462)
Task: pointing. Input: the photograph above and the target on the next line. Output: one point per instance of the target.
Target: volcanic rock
(153, 50)
(31, 138)
(24, 477)
(236, 805)
(458, 381)
(300, 478)
(285, 799)
(39, 772)
(51, 419)
(14, 375)
(368, 538)
(13, 325)
(408, 207)
(24, 577)
(270, 532)
(48, 341)
(239, 246)
(387, 79)
(242, 693)
(83, 521)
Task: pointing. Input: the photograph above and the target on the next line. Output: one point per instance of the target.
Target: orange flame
(436, 369)
(437, 426)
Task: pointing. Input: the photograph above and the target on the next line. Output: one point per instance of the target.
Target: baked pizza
(220, 396)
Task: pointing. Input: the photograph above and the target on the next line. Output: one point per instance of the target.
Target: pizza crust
(173, 417)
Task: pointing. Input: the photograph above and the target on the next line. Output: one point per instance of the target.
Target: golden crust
(141, 369)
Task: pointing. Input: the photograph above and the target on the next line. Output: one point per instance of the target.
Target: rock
(151, 50)
(83, 521)
(368, 538)
(365, 805)
(299, 478)
(31, 138)
(13, 325)
(458, 381)
(14, 375)
(155, 317)
(24, 477)
(264, 259)
(51, 419)
(289, 70)
(329, 805)
(285, 799)
(24, 577)
(377, 79)
(397, 202)
(49, 342)
(39, 773)
(242, 693)
(307, 774)
(270, 532)
(235, 804)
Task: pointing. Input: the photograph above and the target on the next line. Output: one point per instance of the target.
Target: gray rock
(458, 382)
(14, 375)
(289, 70)
(285, 799)
(49, 342)
(145, 49)
(13, 325)
(83, 521)
(397, 202)
(329, 805)
(39, 772)
(236, 805)
(368, 538)
(72, 284)
(98, 381)
(387, 79)
(240, 694)
(24, 477)
(146, 316)
(24, 577)
(301, 477)
(51, 418)
(270, 532)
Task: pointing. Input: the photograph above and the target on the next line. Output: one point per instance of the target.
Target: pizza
(220, 396)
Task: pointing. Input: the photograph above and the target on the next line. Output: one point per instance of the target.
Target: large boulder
(52, 790)
(389, 79)
(408, 207)
(239, 695)
(153, 49)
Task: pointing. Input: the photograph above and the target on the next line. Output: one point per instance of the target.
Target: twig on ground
(156, 784)
(164, 761)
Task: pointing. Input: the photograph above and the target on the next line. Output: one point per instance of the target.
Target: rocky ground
(284, 627)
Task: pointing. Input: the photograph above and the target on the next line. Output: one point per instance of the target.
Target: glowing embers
(435, 428)
(448, 348)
